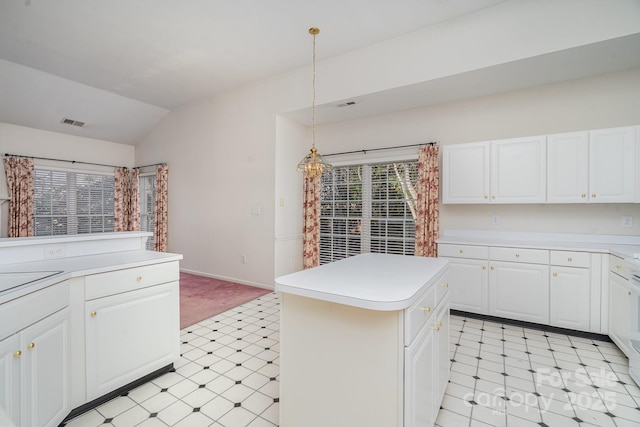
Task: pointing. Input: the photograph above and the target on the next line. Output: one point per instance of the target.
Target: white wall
(606, 101)
(25, 141)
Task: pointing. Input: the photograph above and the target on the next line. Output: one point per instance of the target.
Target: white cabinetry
(34, 362)
(505, 171)
(594, 167)
(619, 303)
(519, 284)
(570, 290)
(518, 170)
(466, 173)
(131, 333)
(468, 277)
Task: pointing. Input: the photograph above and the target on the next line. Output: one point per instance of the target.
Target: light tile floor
(501, 375)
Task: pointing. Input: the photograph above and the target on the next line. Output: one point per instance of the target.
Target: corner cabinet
(34, 362)
(132, 325)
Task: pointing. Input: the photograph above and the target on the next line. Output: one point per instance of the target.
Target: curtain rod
(148, 166)
(62, 160)
(378, 149)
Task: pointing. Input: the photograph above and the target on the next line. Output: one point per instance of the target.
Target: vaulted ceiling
(121, 65)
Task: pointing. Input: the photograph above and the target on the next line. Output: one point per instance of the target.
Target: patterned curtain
(20, 183)
(134, 214)
(427, 221)
(311, 231)
(122, 199)
(160, 209)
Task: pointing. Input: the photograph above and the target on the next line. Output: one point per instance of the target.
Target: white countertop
(78, 266)
(622, 246)
(371, 281)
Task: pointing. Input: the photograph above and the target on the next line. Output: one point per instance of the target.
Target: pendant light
(313, 165)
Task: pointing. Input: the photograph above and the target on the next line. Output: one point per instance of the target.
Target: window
(68, 202)
(368, 208)
(147, 203)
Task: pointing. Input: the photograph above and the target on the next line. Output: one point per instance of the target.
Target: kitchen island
(364, 342)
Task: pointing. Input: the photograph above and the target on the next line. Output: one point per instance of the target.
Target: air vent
(347, 104)
(72, 122)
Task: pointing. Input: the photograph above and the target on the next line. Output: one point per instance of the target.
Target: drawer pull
(445, 285)
(139, 278)
(426, 309)
(436, 328)
(17, 354)
(31, 346)
(593, 195)
(486, 197)
(618, 266)
(569, 259)
(492, 268)
(439, 324)
(555, 274)
(517, 255)
(484, 267)
(584, 195)
(493, 197)
(94, 314)
(461, 251)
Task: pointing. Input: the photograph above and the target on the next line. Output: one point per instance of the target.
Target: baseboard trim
(229, 279)
(531, 325)
(115, 393)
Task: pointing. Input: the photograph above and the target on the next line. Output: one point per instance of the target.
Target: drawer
(463, 251)
(418, 314)
(27, 310)
(118, 281)
(619, 267)
(530, 256)
(570, 259)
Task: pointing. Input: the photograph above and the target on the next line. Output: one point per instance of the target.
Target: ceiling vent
(72, 122)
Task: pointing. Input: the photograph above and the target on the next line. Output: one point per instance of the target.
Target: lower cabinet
(469, 285)
(619, 311)
(34, 372)
(129, 335)
(570, 298)
(519, 291)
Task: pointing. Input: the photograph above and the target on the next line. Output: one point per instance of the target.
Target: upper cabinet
(465, 172)
(597, 166)
(506, 171)
(594, 167)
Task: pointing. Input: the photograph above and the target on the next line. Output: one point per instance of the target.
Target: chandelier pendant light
(313, 165)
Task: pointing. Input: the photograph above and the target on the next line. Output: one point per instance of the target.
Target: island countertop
(372, 281)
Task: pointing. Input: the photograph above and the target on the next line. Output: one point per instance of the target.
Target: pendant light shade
(313, 165)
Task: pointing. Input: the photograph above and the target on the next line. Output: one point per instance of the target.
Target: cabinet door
(611, 165)
(10, 377)
(442, 359)
(468, 285)
(570, 300)
(518, 170)
(130, 335)
(419, 388)
(619, 311)
(519, 291)
(45, 371)
(568, 168)
(465, 173)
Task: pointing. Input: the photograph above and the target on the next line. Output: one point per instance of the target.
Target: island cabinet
(34, 361)
(132, 325)
(364, 342)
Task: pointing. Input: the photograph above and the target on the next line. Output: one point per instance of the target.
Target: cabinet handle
(618, 266)
(486, 197)
(484, 267)
(94, 314)
(426, 309)
(17, 354)
(569, 259)
(493, 197)
(517, 255)
(492, 268)
(555, 274)
(584, 195)
(445, 285)
(593, 195)
(31, 346)
(436, 328)
(439, 324)
(461, 251)
(139, 278)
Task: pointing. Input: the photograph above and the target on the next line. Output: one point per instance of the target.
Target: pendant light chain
(313, 99)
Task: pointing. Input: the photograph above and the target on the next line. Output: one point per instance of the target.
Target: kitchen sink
(14, 279)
